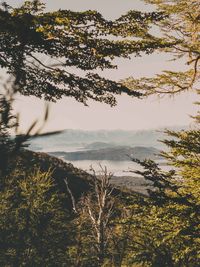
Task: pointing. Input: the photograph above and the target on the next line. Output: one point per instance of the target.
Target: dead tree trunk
(99, 205)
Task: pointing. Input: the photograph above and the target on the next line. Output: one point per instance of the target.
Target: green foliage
(181, 25)
(39, 48)
(42, 50)
(167, 226)
(33, 225)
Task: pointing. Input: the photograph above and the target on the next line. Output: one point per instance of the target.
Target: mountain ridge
(116, 153)
(82, 138)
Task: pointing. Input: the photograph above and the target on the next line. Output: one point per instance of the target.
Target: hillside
(79, 181)
(117, 153)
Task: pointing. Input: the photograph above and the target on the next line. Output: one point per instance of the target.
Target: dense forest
(53, 214)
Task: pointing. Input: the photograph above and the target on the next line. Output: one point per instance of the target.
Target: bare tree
(99, 207)
(101, 237)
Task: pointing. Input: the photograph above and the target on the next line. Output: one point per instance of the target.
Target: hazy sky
(130, 113)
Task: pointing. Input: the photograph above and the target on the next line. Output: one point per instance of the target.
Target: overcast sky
(130, 113)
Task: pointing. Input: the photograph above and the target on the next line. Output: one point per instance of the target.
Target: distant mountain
(99, 145)
(118, 153)
(74, 140)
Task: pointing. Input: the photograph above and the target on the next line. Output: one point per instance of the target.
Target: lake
(118, 168)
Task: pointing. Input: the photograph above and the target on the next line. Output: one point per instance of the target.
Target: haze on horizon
(130, 113)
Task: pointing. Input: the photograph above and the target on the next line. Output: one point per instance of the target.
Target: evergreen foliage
(33, 225)
(168, 225)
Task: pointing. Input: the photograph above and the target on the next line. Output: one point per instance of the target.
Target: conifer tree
(168, 224)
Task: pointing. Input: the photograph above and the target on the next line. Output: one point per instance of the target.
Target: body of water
(72, 141)
(117, 168)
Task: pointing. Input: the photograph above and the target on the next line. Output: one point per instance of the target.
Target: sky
(130, 113)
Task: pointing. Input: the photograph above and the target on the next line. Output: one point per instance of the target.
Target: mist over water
(79, 141)
(74, 140)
